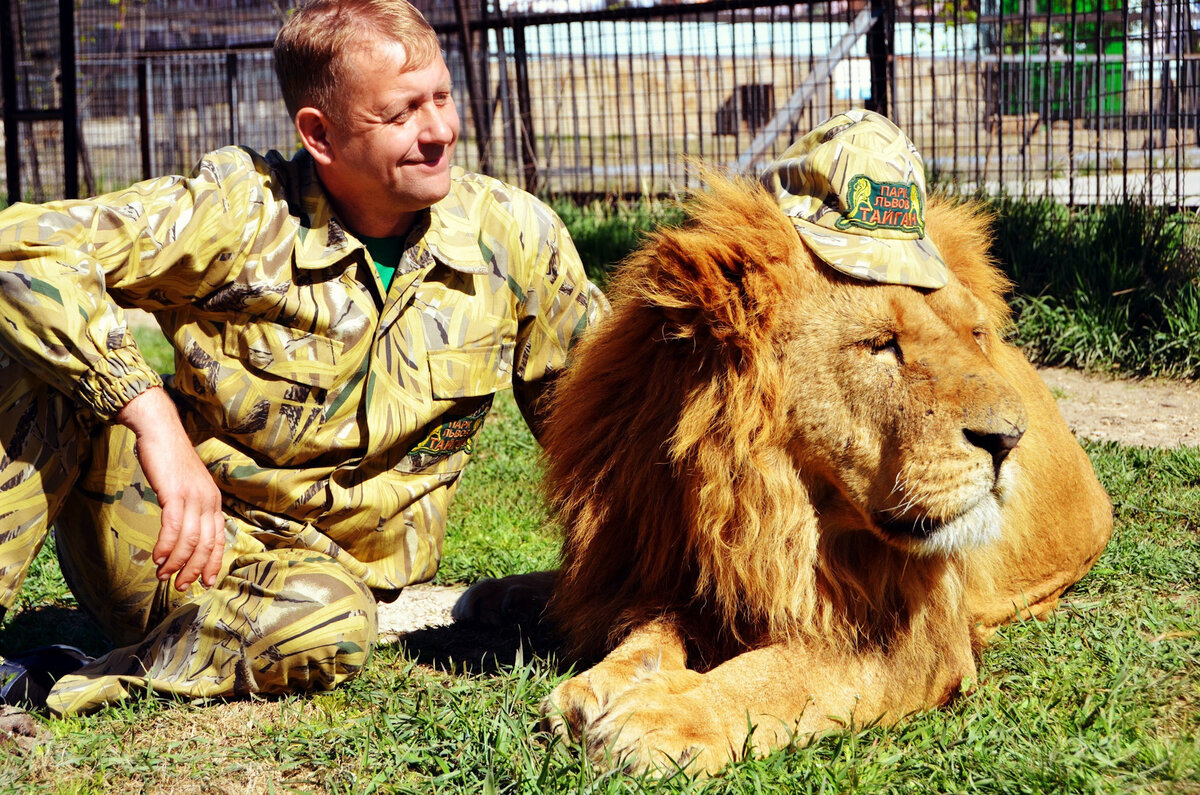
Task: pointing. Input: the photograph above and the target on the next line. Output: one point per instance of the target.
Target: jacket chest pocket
(284, 353)
(456, 374)
(276, 404)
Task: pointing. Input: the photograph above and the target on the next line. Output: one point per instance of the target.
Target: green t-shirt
(386, 253)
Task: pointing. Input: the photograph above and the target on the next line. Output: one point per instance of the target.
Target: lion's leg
(755, 702)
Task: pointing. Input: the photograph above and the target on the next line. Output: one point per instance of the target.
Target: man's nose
(440, 124)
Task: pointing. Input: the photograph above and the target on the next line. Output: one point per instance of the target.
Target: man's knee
(318, 629)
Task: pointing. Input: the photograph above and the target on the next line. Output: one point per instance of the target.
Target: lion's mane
(664, 452)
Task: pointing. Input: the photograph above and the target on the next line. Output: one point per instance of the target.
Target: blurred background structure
(1085, 101)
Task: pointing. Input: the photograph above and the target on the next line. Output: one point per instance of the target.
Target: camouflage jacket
(332, 416)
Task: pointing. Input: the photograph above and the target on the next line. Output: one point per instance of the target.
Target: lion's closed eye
(982, 338)
(885, 346)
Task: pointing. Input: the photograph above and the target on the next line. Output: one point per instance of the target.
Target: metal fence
(1083, 100)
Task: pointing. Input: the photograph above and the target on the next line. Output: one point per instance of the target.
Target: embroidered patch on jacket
(884, 205)
(450, 437)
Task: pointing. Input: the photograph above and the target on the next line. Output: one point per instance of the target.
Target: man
(341, 321)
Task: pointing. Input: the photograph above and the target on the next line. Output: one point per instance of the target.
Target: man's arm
(560, 303)
(192, 537)
(65, 270)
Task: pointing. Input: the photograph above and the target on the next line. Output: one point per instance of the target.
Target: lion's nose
(999, 444)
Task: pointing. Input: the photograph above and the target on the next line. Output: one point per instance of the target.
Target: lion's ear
(722, 273)
(962, 232)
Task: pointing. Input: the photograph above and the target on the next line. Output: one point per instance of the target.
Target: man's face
(392, 145)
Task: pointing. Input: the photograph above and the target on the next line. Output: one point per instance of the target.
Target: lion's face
(900, 418)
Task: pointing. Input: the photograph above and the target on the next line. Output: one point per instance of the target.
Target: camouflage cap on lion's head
(855, 189)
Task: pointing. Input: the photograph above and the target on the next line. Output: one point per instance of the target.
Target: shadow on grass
(475, 648)
(45, 624)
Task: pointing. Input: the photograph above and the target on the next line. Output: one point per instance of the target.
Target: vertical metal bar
(70, 108)
(1072, 101)
(668, 96)
(933, 81)
(1028, 104)
(912, 76)
(1002, 89)
(1046, 107)
(603, 64)
(8, 84)
(1125, 102)
(1150, 115)
(1179, 103)
(586, 122)
(231, 95)
(648, 91)
(981, 164)
(879, 53)
(1101, 95)
(683, 59)
(633, 115)
(474, 95)
(955, 91)
(509, 124)
(143, 109)
(524, 110)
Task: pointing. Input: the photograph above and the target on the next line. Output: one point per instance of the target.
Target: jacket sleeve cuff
(118, 378)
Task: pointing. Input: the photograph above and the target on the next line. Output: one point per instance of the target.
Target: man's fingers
(205, 561)
(189, 538)
(203, 557)
(218, 550)
(168, 536)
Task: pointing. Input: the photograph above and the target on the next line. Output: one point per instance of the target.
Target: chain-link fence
(1083, 100)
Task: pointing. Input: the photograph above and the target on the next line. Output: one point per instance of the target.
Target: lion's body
(788, 495)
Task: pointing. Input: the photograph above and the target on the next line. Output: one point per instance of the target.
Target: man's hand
(192, 537)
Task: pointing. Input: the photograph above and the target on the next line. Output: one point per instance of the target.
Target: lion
(794, 501)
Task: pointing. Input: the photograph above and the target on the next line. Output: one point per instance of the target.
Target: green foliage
(156, 349)
(606, 232)
(1111, 287)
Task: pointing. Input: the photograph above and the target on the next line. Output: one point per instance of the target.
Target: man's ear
(314, 128)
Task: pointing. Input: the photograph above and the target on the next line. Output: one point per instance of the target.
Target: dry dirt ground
(1149, 413)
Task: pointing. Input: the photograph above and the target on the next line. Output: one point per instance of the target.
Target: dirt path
(1150, 413)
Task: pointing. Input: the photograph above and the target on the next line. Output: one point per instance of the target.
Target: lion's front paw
(652, 729)
(571, 707)
(659, 723)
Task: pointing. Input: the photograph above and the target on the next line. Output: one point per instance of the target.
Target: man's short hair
(311, 48)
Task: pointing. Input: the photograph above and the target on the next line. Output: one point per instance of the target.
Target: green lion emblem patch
(884, 205)
(449, 437)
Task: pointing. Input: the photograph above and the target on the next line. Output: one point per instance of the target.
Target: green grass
(1112, 288)
(606, 232)
(1102, 697)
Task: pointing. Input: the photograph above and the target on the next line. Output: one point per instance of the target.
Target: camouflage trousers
(277, 620)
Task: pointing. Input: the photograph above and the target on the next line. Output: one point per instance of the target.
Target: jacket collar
(322, 240)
